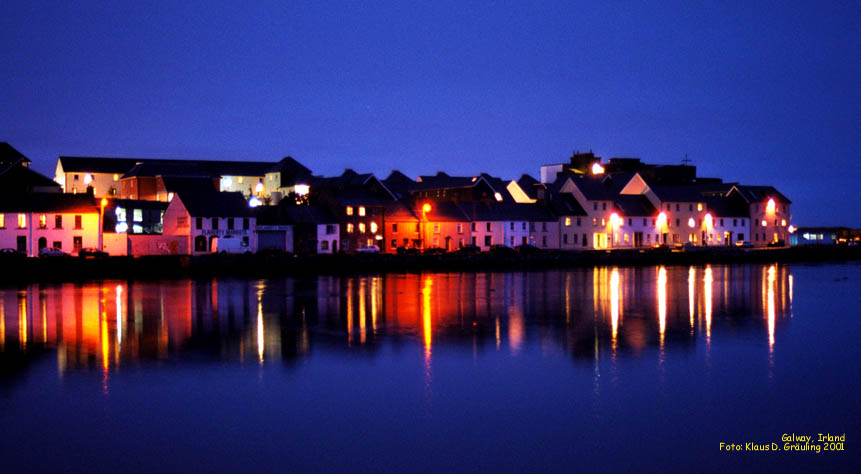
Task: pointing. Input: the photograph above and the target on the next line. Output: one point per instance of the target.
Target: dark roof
(307, 215)
(694, 192)
(292, 172)
(188, 185)
(353, 188)
(445, 211)
(97, 165)
(399, 211)
(15, 178)
(214, 204)
(9, 155)
(634, 205)
(720, 206)
(760, 193)
(137, 204)
(594, 189)
(399, 183)
(565, 204)
(529, 185)
(48, 202)
(159, 166)
(506, 211)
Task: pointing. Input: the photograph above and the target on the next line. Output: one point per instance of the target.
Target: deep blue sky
(761, 92)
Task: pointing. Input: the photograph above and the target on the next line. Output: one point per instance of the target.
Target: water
(606, 369)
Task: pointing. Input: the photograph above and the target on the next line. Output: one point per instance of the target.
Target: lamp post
(102, 204)
(425, 209)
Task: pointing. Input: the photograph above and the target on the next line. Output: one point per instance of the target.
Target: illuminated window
(240, 179)
(567, 222)
(43, 221)
(116, 177)
(594, 222)
(349, 210)
(764, 223)
(603, 222)
(373, 227)
(349, 227)
(361, 210)
(22, 221)
(2, 221)
(361, 227)
(137, 215)
(699, 206)
(783, 222)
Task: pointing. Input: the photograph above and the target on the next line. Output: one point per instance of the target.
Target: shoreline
(169, 267)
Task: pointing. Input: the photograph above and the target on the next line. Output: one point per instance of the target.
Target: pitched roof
(399, 211)
(292, 172)
(634, 205)
(760, 193)
(445, 211)
(9, 155)
(15, 178)
(505, 211)
(529, 185)
(214, 204)
(160, 166)
(565, 204)
(720, 206)
(49, 202)
(693, 192)
(594, 189)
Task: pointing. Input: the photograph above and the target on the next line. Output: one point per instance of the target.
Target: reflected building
(589, 313)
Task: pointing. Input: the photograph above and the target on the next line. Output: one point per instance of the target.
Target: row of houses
(157, 206)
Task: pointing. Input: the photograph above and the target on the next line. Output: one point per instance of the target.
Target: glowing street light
(426, 208)
(707, 219)
(662, 220)
(615, 220)
(691, 222)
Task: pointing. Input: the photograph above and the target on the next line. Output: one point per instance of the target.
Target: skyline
(761, 96)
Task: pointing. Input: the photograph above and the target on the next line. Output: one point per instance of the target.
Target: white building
(211, 222)
(30, 222)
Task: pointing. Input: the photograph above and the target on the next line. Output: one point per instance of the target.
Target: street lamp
(425, 209)
(102, 204)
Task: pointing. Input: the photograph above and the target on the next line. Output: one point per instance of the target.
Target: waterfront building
(287, 177)
(403, 228)
(33, 221)
(769, 212)
(300, 229)
(198, 222)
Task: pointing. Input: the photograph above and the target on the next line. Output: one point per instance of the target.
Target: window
(691, 207)
(742, 222)
(594, 222)
(488, 226)
(77, 243)
(240, 179)
(2, 221)
(436, 227)
(58, 245)
(214, 223)
(406, 242)
(756, 237)
(565, 238)
(678, 222)
(523, 226)
(137, 215)
(75, 177)
(677, 207)
(349, 227)
(459, 228)
(603, 222)
(474, 240)
(58, 221)
(43, 221)
(116, 177)
(394, 230)
(603, 206)
(721, 222)
(630, 221)
(198, 223)
(544, 241)
(472, 226)
(595, 206)
(734, 222)
(699, 206)
(324, 245)
(567, 224)
(668, 207)
(544, 226)
(22, 221)
(349, 210)
(394, 243)
(245, 241)
(741, 237)
(361, 227)
(488, 240)
(460, 243)
(200, 244)
(246, 224)
(361, 210)
(374, 227)
(575, 238)
(229, 223)
(578, 222)
(584, 241)
(330, 229)
(79, 222)
(511, 226)
(644, 222)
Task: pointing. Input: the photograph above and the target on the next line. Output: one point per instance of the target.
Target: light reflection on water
(588, 313)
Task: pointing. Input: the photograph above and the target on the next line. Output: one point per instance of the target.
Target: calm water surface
(606, 369)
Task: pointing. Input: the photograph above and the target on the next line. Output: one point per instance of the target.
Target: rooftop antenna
(686, 161)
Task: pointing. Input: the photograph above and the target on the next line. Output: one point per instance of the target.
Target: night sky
(762, 93)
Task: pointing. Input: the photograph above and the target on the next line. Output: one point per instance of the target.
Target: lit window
(361, 227)
(240, 179)
(764, 223)
(2, 221)
(769, 207)
(43, 221)
(349, 227)
(88, 178)
(22, 221)
(137, 215)
(783, 222)
(349, 210)
(116, 177)
(361, 210)
(373, 227)
(567, 222)
(699, 206)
